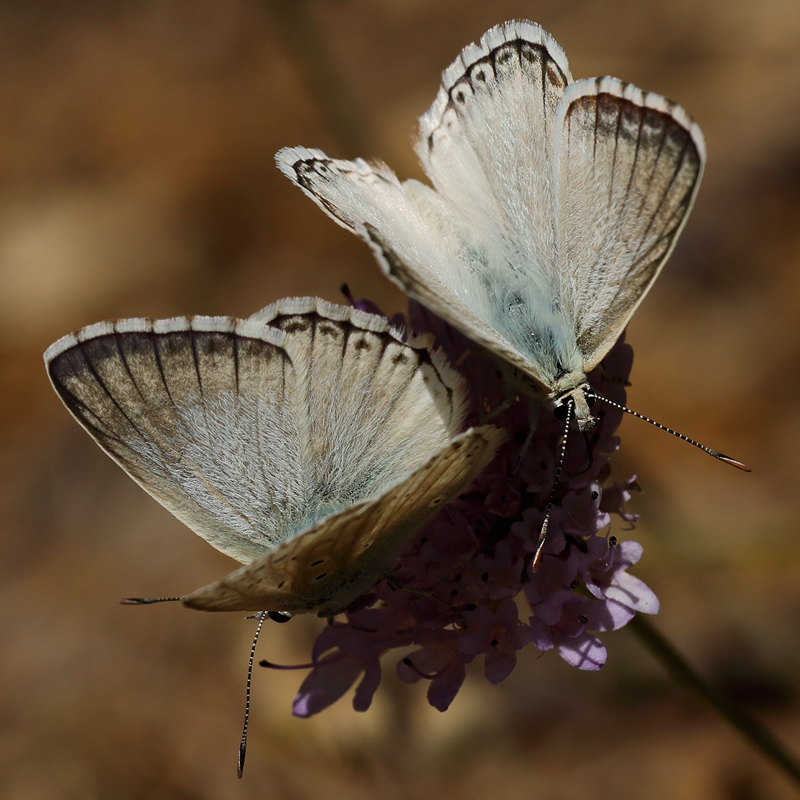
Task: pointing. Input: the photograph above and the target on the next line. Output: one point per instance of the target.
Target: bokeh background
(137, 179)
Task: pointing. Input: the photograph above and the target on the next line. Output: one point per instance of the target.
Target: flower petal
(634, 593)
(584, 652)
(444, 687)
(325, 685)
(362, 699)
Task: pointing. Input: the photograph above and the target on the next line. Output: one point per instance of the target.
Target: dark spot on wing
(504, 55)
(530, 53)
(266, 354)
(211, 343)
(554, 74)
(499, 64)
(481, 71)
(296, 325)
(362, 344)
(400, 358)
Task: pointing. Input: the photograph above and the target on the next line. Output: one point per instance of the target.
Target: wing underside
(421, 245)
(629, 166)
(327, 567)
(556, 204)
(252, 431)
(166, 401)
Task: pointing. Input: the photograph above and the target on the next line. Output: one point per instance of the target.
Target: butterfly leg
(570, 407)
(509, 401)
(602, 370)
(533, 420)
(470, 351)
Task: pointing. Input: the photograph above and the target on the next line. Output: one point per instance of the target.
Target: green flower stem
(295, 25)
(680, 669)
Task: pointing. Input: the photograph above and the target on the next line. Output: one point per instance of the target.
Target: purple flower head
(464, 587)
(438, 660)
(495, 631)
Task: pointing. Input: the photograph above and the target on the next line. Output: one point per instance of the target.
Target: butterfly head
(581, 398)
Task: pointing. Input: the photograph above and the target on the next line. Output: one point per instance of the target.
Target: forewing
(522, 369)
(202, 413)
(629, 165)
(379, 407)
(486, 144)
(422, 245)
(345, 555)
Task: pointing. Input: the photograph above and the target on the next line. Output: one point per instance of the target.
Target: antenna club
(734, 463)
(147, 601)
(240, 763)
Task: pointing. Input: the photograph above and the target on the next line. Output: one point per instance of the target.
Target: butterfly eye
(590, 398)
(560, 411)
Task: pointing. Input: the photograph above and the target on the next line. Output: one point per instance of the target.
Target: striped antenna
(719, 456)
(261, 617)
(543, 530)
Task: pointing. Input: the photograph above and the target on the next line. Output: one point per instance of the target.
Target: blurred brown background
(137, 179)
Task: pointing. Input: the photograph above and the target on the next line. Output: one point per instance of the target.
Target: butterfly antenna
(345, 290)
(146, 601)
(719, 456)
(261, 617)
(543, 530)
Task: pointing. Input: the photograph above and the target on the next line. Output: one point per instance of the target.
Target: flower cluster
(458, 590)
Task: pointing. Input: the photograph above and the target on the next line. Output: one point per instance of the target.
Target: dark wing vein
(665, 193)
(102, 384)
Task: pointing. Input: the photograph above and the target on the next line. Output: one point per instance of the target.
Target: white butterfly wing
(378, 407)
(327, 567)
(481, 250)
(252, 432)
(201, 412)
(485, 143)
(419, 241)
(556, 204)
(629, 166)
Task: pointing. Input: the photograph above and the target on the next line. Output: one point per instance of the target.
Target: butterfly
(308, 442)
(555, 204)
